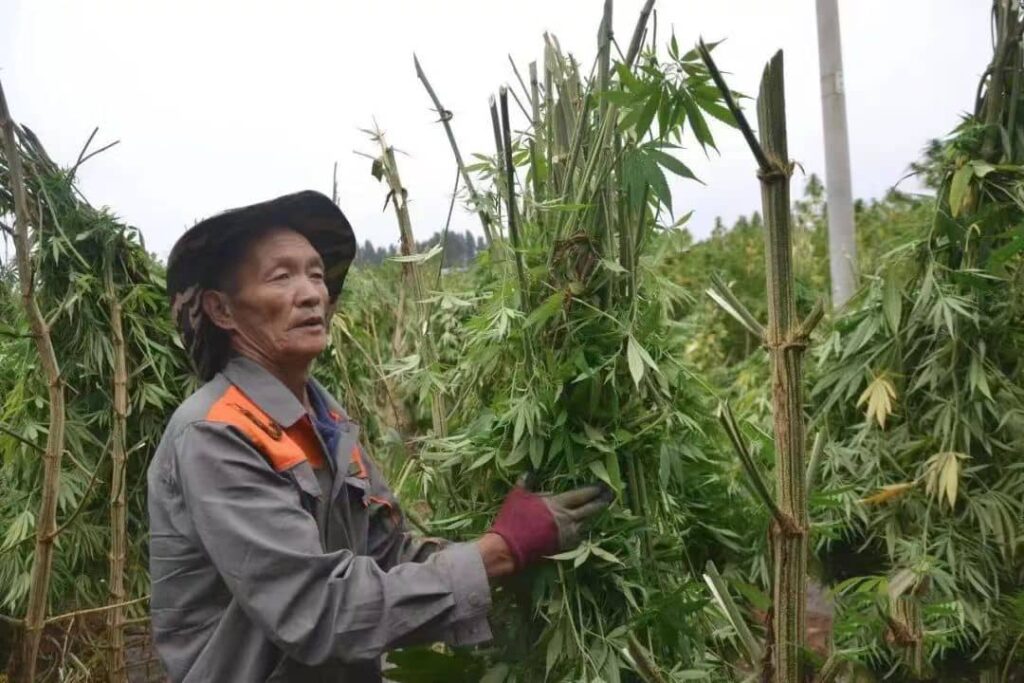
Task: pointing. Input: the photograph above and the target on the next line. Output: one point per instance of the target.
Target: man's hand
(534, 525)
(573, 509)
(497, 557)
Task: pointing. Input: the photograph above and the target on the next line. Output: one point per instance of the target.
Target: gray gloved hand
(572, 509)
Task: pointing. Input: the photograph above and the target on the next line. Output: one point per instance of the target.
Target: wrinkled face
(275, 305)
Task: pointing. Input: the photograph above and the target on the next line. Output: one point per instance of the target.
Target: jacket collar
(329, 400)
(265, 390)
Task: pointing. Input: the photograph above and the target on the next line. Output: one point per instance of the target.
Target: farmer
(277, 550)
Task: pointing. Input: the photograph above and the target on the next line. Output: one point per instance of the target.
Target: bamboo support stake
(604, 51)
(499, 151)
(118, 521)
(639, 32)
(536, 140)
(46, 520)
(513, 227)
(445, 120)
(789, 594)
(786, 338)
(607, 217)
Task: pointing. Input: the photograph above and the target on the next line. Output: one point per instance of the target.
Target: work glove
(538, 524)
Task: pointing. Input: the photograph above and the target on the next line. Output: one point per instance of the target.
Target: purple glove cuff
(528, 527)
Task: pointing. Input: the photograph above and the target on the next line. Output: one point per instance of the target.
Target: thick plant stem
(445, 120)
(1000, 73)
(536, 142)
(116, 672)
(46, 521)
(785, 337)
(513, 218)
(785, 346)
(906, 631)
(639, 32)
(398, 198)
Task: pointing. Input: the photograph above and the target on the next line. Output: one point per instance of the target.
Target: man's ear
(217, 309)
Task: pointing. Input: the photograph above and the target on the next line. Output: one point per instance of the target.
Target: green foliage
(597, 362)
(924, 474)
(76, 243)
(736, 255)
(576, 374)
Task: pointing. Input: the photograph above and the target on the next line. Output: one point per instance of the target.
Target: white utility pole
(842, 246)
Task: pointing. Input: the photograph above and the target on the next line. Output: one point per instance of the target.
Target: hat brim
(194, 258)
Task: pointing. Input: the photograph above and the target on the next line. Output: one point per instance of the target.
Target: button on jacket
(272, 559)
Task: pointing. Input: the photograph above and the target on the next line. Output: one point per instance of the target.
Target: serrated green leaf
(517, 454)
(718, 111)
(635, 360)
(554, 650)
(546, 310)
(671, 163)
(958, 188)
(643, 123)
(592, 433)
(482, 460)
(892, 304)
(659, 185)
(569, 554)
(536, 452)
(982, 168)
(697, 123)
(664, 467)
(605, 555)
(418, 258)
(600, 471)
(611, 465)
(613, 266)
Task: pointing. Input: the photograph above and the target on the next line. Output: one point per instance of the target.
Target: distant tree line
(459, 249)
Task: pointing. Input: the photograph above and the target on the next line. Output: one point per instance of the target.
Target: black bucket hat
(196, 258)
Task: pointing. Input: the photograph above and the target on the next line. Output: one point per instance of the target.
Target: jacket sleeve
(317, 606)
(390, 540)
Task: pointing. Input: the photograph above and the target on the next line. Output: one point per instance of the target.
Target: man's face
(276, 308)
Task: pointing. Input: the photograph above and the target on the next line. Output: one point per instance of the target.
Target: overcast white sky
(219, 104)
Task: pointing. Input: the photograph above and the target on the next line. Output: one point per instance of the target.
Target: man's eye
(283, 275)
(317, 275)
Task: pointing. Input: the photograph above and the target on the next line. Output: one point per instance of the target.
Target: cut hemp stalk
(786, 339)
(118, 518)
(47, 520)
(386, 167)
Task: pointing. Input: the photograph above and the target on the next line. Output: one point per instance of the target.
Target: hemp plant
(570, 368)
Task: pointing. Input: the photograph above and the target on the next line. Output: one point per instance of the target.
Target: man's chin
(308, 350)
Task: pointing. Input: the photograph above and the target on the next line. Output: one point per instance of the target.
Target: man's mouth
(313, 322)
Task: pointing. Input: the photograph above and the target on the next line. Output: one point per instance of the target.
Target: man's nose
(309, 294)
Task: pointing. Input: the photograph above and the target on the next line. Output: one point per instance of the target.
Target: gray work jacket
(258, 574)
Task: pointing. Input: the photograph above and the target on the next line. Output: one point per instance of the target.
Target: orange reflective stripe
(235, 408)
(304, 436)
(357, 458)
